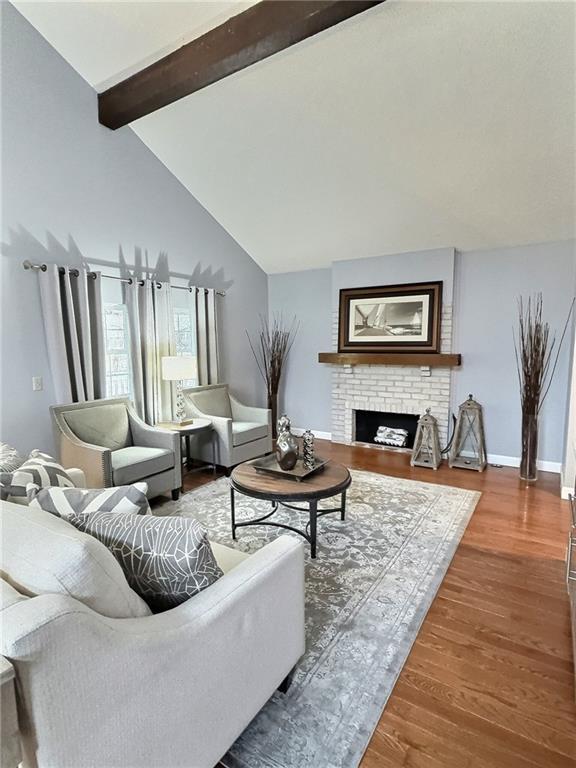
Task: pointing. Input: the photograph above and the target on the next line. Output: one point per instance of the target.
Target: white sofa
(242, 432)
(101, 682)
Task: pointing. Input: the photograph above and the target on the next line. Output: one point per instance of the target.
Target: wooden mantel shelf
(390, 358)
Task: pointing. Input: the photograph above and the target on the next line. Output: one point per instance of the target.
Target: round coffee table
(334, 479)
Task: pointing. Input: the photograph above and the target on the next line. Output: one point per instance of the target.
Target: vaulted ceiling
(412, 126)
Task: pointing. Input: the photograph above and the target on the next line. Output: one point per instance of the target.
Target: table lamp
(178, 368)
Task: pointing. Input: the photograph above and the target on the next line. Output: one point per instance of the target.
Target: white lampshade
(179, 367)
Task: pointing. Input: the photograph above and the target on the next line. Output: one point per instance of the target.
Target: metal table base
(189, 467)
(310, 532)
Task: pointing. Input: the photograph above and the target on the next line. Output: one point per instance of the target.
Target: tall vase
(528, 470)
(273, 406)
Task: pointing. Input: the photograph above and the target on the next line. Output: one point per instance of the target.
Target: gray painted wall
(305, 387)
(487, 286)
(413, 267)
(484, 286)
(74, 191)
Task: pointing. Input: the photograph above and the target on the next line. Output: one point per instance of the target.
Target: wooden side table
(193, 428)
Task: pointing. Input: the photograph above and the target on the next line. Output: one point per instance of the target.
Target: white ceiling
(412, 126)
(108, 41)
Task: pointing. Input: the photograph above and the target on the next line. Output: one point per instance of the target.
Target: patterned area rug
(367, 594)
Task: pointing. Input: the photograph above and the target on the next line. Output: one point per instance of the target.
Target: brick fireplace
(402, 389)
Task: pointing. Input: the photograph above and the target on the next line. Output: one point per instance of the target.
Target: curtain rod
(74, 272)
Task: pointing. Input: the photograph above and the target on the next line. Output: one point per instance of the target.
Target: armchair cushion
(165, 559)
(214, 401)
(246, 431)
(106, 425)
(137, 462)
(43, 554)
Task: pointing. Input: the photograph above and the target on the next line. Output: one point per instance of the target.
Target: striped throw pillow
(40, 469)
(10, 459)
(67, 502)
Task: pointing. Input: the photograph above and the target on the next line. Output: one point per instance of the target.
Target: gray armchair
(242, 432)
(108, 440)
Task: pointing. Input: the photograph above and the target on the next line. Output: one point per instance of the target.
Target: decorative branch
(274, 341)
(534, 350)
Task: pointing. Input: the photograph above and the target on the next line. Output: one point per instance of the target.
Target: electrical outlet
(425, 370)
(37, 384)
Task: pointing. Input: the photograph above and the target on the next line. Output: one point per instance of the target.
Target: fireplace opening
(389, 430)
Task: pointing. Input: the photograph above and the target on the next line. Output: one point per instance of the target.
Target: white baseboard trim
(514, 461)
(298, 431)
(566, 491)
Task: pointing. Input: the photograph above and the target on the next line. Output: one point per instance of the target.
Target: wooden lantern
(468, 449)
(426, 451)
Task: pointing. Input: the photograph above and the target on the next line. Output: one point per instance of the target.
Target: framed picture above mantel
(399, 318)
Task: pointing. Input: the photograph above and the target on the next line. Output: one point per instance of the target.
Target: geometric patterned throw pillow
(40, 469)
(66, 502)
(166, 560)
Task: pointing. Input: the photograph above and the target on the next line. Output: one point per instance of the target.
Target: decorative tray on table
(268, 465)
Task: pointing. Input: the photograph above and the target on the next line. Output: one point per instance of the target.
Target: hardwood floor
(489, 681)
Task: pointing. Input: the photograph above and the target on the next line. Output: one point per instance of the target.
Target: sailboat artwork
(383, 318)
(400, 317)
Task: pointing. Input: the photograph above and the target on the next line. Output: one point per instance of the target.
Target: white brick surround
(391, 388)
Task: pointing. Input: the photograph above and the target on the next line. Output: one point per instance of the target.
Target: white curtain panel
(201, 336)
(72, 312)
(149, 309)
(164, 327)
(212, 328)
(135, 300)
(205, 311)
(93, 284)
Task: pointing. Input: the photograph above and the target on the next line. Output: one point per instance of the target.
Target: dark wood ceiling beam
(261, 31)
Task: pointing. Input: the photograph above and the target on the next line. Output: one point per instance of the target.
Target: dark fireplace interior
(368, 422)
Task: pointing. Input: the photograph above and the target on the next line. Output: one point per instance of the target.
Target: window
(184, 337)
(117, 350)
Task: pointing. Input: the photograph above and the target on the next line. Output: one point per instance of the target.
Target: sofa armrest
(241, 412)
(217, 658)
(10, 752)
